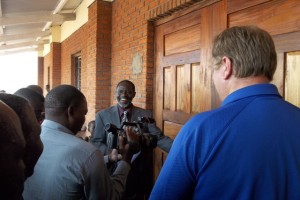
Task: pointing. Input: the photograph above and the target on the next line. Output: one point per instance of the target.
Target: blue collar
(253, 90)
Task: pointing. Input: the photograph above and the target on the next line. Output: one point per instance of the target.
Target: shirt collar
(121, 110)
(54, 125)
(252, 90)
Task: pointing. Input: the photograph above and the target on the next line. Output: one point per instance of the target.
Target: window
(48, 79)
(77, 62)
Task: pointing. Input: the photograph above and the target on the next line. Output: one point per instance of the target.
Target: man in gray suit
(125, 92)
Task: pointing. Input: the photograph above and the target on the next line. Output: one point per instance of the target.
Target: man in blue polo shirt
(249, 147)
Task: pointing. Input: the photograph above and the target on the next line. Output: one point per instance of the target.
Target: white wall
(69, 27)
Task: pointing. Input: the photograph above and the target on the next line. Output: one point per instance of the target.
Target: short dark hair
(5, 127)
(127, 81)
(30, 95)
(62, 96)
(17, 103)
(36, 88)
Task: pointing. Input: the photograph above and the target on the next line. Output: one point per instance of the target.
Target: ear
(70, 111)
(227, 68)
(134, 95)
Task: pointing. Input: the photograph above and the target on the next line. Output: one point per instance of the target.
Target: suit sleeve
(99, 138)
(98, 184)
(163, 142)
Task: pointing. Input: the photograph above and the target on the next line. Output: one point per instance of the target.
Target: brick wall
(102, 15)
(74, 45)
(116, 43)
(56, 64)
(53, 61)
(41, 72)
(129, 38)
(132, 34)
(93, 42)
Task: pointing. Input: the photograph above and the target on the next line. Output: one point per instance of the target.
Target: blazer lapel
(115, 116)
(135, 114)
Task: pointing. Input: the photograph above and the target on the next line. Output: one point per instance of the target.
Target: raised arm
(99, 184)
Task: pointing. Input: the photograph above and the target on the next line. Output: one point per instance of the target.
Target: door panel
(171, 129)
(285, 43)
(277, 16)
(176, 51)
(169, 90)
(178, 42)
(178, 48)
(292, 79)
(235, 5)
(183, 88)
(183, 78)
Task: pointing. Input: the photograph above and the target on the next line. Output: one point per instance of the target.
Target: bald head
(12, 144)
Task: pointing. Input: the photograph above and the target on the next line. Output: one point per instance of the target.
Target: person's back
(66, 165)
(252, 153)
(69, 167)
(246, 149)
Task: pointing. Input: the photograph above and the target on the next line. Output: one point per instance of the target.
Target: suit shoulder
(106, 110)
(142, 110)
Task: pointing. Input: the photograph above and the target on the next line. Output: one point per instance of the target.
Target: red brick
(114, 33)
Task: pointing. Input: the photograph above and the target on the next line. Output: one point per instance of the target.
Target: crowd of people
(245, 149)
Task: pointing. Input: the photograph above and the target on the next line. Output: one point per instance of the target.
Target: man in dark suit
(125, 92)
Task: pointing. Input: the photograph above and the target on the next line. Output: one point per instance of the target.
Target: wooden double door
(183, 83)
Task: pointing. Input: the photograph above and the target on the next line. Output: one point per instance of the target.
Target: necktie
(125, 117)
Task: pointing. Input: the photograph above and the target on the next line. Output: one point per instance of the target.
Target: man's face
(77, 116)
(39, 111)
(125, 94)
(34, 145)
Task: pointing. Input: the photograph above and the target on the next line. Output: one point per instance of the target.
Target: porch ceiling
(24, 24)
